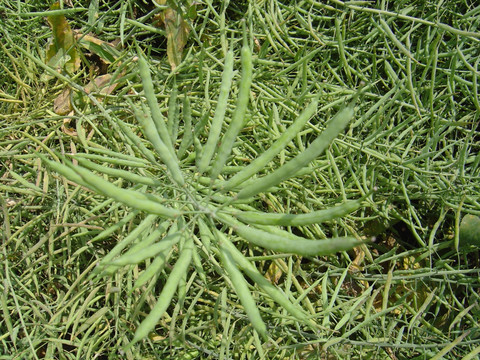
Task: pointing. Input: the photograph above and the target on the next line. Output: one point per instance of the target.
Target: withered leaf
(177, 34)
(104, 50)
(100, 85)
(62, 104)
(62, 52)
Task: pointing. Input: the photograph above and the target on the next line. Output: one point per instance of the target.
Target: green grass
(411, 294)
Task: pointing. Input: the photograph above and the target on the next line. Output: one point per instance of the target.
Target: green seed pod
(336, 125)
(289, 244)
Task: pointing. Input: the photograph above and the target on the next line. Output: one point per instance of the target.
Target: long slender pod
(172, 119)
(187, 138)
(112, 229)
(180, 268)
(169, 159)
(136, 140)
(157, 117)
(335, 126)
(145, 225)
(219, 116)
(241, 288)
(64, 170)
(200, 125)
(290, 244)
(152, 270)
(238, 117)
(314, 217)
(252, 272)
(136, 257)
(119, 159)
(132, 198)
(259, 163)
(127, 175)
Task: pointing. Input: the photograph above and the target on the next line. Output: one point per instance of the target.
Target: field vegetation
(265, 179)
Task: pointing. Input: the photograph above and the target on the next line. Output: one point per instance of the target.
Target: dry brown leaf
(89, 38)
(77, 130)
(100, 85)
(67, 127)
(177, 34)
(274, 273)
(62, 104)
(356, 265)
